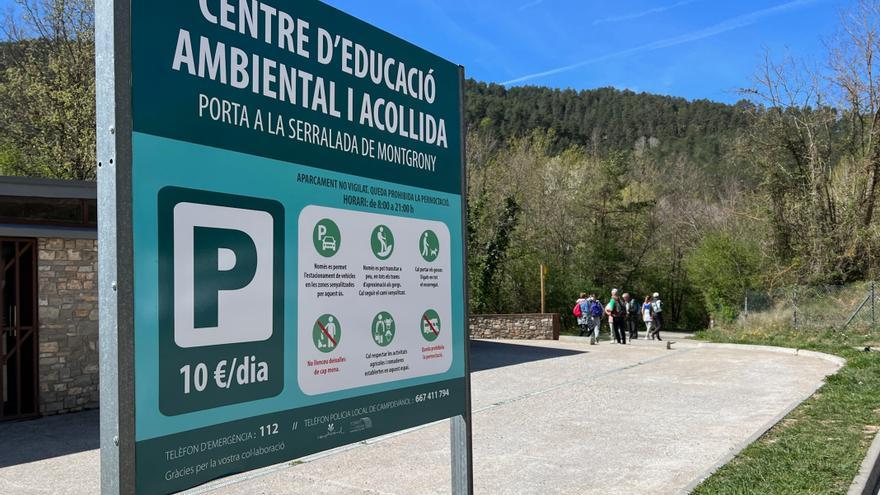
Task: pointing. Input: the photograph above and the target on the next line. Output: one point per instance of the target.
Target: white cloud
(720, 28)
(530, 4)
(643, 13)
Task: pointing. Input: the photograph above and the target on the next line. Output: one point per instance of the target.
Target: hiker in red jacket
(582, 313)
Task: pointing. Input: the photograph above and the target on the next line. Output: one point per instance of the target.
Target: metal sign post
(282, 200)
(460, 433)
(116, 303)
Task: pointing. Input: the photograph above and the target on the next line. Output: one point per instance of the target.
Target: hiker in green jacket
(616, 317)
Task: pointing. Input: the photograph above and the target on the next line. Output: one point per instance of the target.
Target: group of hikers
(623, 314)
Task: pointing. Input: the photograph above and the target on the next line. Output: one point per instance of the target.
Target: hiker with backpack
(594, 324)
(648, 317)
(657, 312)
(616, 317)
(581, 312)
(632, 310)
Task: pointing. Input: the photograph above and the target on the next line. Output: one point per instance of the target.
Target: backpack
(577, 310)
(656, 306)
(596, 309)
(633, 307)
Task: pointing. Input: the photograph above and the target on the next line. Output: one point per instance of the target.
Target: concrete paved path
(549, 417)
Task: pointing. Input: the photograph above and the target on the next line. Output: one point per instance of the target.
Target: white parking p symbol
(223, 275)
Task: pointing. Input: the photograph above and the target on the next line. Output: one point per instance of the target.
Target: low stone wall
(515, 327)
(68, 299)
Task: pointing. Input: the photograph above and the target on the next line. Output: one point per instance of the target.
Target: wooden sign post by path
(543, 306)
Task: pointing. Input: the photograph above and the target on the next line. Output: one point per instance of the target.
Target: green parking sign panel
(221, 310)
(284, 237)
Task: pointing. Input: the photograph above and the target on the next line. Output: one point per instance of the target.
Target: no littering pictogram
(326, 333)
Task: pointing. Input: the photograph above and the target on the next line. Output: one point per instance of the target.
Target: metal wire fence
(850, 308)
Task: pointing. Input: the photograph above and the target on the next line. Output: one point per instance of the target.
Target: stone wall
(515, 327)
(68, 299)
(68, 315)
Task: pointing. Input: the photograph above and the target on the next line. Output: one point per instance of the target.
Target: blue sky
(691, 48)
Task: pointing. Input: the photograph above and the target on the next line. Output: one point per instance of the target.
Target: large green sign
(296, 236)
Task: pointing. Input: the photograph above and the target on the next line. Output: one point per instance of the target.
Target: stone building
(48, 297)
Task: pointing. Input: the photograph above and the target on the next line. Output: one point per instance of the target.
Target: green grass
(819, 447)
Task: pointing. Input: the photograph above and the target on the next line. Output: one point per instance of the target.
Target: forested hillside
(606, 119)
(607, 188)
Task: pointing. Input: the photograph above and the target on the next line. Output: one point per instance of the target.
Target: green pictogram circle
(327, 333)
(429, 246)
(430, 325)
(384, 329)
(327, 238)
(382, 242)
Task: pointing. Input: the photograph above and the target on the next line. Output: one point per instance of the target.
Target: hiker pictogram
(382, 242)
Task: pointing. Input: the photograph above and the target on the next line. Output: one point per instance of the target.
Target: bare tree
(817, 138)
(856, 79)
(47, 88)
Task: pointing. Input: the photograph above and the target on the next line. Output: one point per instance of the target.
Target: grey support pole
(460, 426)
(113, 113)
(462, 467)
